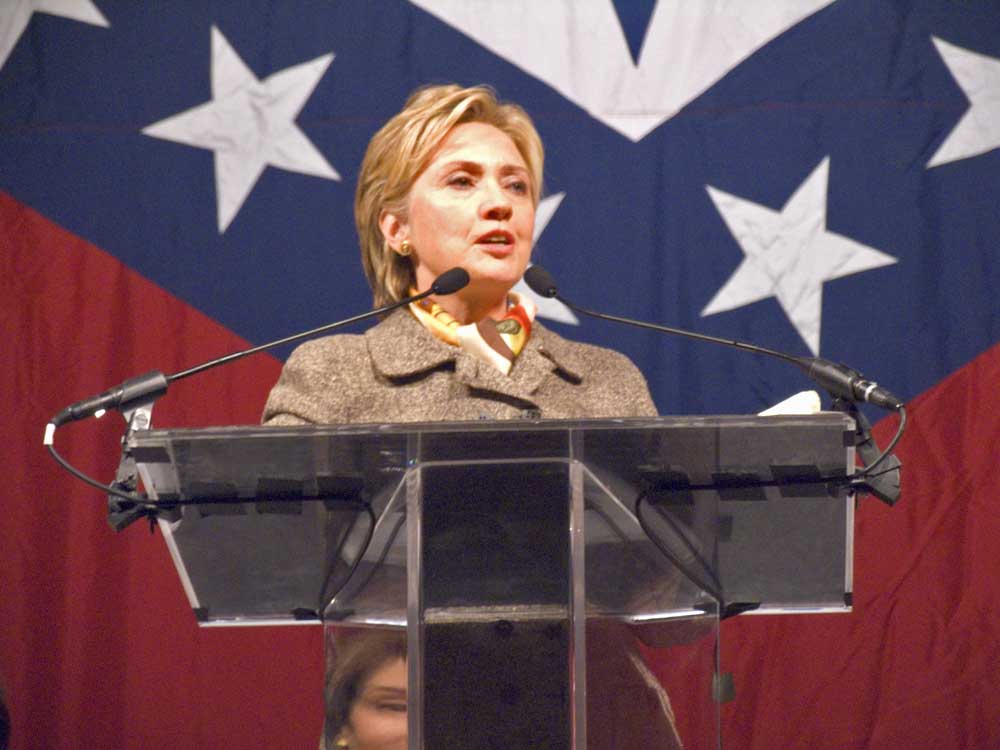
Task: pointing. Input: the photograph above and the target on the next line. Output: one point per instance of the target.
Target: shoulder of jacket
(328, 346)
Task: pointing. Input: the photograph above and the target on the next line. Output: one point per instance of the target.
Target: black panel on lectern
(506, 545)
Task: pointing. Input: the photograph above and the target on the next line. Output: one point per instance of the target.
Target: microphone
(847, 383)
(447, 283)
(840, 381)
(147, 388)
(541, 282)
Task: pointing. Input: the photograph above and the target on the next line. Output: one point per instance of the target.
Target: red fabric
(99, 649)
(915, 665)
(98, 646)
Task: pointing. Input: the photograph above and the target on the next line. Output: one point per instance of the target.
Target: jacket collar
(400, 347)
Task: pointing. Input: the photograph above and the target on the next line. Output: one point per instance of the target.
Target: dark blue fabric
(638, 235)
(634, 16)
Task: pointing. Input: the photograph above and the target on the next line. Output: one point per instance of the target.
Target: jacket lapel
(401, 348)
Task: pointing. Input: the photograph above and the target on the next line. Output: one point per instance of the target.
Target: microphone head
(541, 282)
(450, 281)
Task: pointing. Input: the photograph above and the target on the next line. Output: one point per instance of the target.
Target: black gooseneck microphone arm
(841, 381)
(847, 386)
(154, 384)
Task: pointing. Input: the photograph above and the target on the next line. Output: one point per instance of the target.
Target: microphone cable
(145, 389)
(840, 381)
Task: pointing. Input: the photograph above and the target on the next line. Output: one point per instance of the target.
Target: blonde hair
(402, 149)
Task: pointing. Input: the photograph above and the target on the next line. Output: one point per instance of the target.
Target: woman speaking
(453, 180)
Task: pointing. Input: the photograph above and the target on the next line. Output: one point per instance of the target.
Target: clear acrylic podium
(535, 566)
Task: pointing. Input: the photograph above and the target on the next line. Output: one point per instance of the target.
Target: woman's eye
(518, 186)
(460, 180)
(397, 707)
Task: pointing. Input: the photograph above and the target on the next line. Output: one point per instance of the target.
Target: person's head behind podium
(366, 692)
(453, 165)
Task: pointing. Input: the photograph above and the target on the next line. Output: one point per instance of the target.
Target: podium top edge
(827, 419)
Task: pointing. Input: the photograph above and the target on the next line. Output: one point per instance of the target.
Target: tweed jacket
(397, 371)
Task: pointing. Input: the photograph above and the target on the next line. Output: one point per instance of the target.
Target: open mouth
(496, 241)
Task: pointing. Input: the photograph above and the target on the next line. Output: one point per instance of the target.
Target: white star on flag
(979, 129)
(249, 124)
(15, 14)
(789, 254)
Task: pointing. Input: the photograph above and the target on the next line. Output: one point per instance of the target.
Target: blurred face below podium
(377, 718)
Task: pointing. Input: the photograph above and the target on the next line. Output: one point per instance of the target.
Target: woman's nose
(496, 203)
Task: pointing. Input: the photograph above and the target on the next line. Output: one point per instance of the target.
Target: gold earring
(342, 743)
(405, 248)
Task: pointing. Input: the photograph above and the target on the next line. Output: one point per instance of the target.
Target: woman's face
(471, 207)
(377, 717)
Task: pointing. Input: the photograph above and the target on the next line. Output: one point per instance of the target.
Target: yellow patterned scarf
(495, 341)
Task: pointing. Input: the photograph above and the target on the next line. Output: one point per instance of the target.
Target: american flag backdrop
(815, 176)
